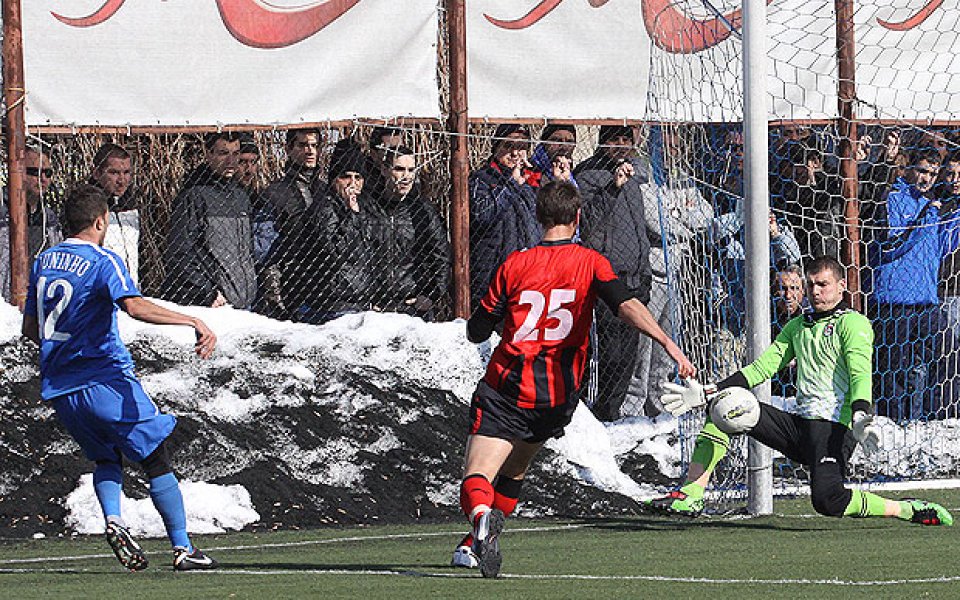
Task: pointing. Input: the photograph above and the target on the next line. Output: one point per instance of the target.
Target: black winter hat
(608, 132)
(507, 129)
(347, 156)
(551, 129)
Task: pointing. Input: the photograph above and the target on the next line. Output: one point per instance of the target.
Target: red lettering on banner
(99, 16)
(675, 32)
(669, 28)
(911, 22)
(256, 23)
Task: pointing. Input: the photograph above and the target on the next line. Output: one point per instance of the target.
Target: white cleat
(465, 557)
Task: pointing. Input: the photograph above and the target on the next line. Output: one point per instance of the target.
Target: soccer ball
(735, 410)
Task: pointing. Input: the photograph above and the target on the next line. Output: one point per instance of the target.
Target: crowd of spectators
(352, 229)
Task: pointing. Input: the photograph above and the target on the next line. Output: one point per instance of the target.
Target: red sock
(476, 495)
(506, 494)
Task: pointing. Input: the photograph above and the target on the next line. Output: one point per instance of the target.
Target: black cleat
(184, 560)
(487, 536)
(929, 513)
(128, 551)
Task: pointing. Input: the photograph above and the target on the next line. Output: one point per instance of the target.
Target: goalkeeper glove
(866, 432)
(678, 399)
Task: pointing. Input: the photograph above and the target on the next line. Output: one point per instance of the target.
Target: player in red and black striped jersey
(545, 297)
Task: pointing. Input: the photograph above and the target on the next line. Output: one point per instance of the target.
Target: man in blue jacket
(906, 260)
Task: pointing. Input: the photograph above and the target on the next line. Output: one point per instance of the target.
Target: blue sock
(108, 483)
(166, 496)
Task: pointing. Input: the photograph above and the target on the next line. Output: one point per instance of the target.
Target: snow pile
(360, 420)
(210, 509)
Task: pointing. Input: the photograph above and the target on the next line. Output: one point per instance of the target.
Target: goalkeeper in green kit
(833, 348)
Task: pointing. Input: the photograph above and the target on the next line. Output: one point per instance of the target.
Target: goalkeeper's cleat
(184, 560)
(487, 542)
(465, 556)
(128, 551)
(929, 513)
(676, 502)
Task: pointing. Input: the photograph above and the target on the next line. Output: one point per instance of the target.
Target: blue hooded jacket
(907, 257)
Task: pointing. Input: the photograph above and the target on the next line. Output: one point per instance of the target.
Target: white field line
(358, 538)
(411, 573)
(536, 577)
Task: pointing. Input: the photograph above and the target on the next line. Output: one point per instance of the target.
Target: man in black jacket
(414, 253)
(612, 223)
(209, 258)
(328, 265)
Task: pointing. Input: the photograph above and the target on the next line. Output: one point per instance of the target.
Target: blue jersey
(73, 293)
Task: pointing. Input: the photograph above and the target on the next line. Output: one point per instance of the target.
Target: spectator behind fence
(383, 140)
(326, 264)
(113, 174)
(413, 251)
(877, 174)
(248, 165)
(906, 259)
(209, 259)
(612, 223)
(553, 156)
(949, 191)
(789, 301)
(43, 227)
(676, 214)
(502, 206)
(287, 198)
(810, 199)
(728, 232)
(279, 211)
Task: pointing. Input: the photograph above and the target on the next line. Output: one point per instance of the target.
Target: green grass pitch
(793, 554)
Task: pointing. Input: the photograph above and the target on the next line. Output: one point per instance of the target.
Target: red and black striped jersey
(545, 296)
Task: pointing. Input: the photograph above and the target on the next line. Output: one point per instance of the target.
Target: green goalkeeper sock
(694, 491)
(711, 447)
(865, 504)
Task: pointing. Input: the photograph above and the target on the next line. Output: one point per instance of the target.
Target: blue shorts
(113, 416)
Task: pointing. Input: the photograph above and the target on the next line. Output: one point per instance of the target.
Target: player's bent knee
(158, 462)
(831, 502)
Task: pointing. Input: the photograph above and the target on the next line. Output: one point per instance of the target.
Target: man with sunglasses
(906, 259)
(43, 227)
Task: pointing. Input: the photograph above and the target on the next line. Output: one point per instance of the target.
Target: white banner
(600, 58)
(572, 61)
(208, 62)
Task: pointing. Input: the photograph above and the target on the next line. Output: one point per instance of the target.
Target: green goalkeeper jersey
(834, 363)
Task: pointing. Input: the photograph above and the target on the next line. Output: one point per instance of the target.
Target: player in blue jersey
(87, 373)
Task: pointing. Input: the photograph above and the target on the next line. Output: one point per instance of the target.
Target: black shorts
(494, 416)
(806, 441)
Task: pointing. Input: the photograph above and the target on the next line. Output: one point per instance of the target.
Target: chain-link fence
(308, 224)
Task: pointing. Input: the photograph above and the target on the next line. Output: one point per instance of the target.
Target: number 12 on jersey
(48, 321)
(529, 332)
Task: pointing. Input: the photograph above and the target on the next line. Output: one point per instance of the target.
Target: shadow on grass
(664, 523)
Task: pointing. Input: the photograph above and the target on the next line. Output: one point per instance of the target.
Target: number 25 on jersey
(529, 330)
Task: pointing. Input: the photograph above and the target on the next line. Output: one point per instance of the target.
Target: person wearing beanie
(553, 156)
(502, 206)
(329, 265)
